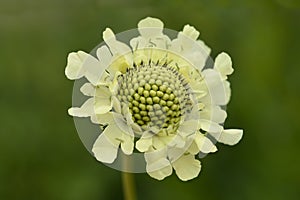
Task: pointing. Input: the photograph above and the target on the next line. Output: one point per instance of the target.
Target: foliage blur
(41, 155)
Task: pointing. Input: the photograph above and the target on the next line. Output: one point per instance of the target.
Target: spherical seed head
(151, 91)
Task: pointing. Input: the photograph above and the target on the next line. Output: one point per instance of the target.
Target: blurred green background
(41, 155)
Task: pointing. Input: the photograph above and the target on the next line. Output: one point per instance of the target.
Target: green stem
(128, 186)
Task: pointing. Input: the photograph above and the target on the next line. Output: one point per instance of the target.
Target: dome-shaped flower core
(156, 94)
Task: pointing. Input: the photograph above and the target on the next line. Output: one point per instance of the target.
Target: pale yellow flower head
(155, 102)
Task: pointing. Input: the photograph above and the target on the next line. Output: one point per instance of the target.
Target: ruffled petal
(86, 110)
(114, 133)
(103, 102)
(227, 91)
(187, 128)
(104, 150)
(158, 166)
(117, 132)
(210, 126)
(189, 31)
(117, 127)
(94, 119)
(150, 27)
(193, 148)
(229, 136)
(116, 47)
(145, 142)
(175, 153)
(130, 122)
(122, 54)
(106, 118)
(165, 169)
(204, 144)
(153, 43)
(138, 43)
(127, 144)
(223, 64)
(93, 69)
(187, 167)
(116, 104)
(158, 143)
(177, 141)
(196, 56)
(186, 38)
(196, 52)
(122, 125)
(74, 65)
(104, 56)
(88, 89)
(213, 113)
(216, 87)
(204, 48)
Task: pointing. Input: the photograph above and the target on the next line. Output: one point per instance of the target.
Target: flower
(157, 97)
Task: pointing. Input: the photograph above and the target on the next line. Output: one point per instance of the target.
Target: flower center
(157, 95)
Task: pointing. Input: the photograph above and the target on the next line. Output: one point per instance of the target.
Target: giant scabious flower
(157, 97)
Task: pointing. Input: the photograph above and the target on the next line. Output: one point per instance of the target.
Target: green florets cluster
(156, 95)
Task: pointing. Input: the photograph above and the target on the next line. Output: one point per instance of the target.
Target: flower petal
(144, 143)
(204, 48)
(88, 89)
(121, 123)
(103, 102)
(153, 156)
(193, 148)
(204, 144)
(216, 87)
(229, 136)
(151, 43)
(130, 122)
(104, 56)
(177, 141)
(106, 118)
(104, 150)
(117, 132)
(116, 47)
(116, 104)
(74, 66)
(93, 69)
(94, 119)
(158, 143)
(150, 27)
(196, 52)
(227, 91)
(175, 153)
(187, 37)
(213, 113)
(138, 43)
(127, 144)
(210, 126)
(196, 56)
(188, 128)
(158, 166)
(187, 167)
(190, 31)
(223, 64)
(164, 166)
(114, 133)
(86, 110)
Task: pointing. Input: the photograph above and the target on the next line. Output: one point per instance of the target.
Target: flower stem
(128, 186)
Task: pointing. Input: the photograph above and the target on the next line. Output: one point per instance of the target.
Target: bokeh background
(41, 155)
